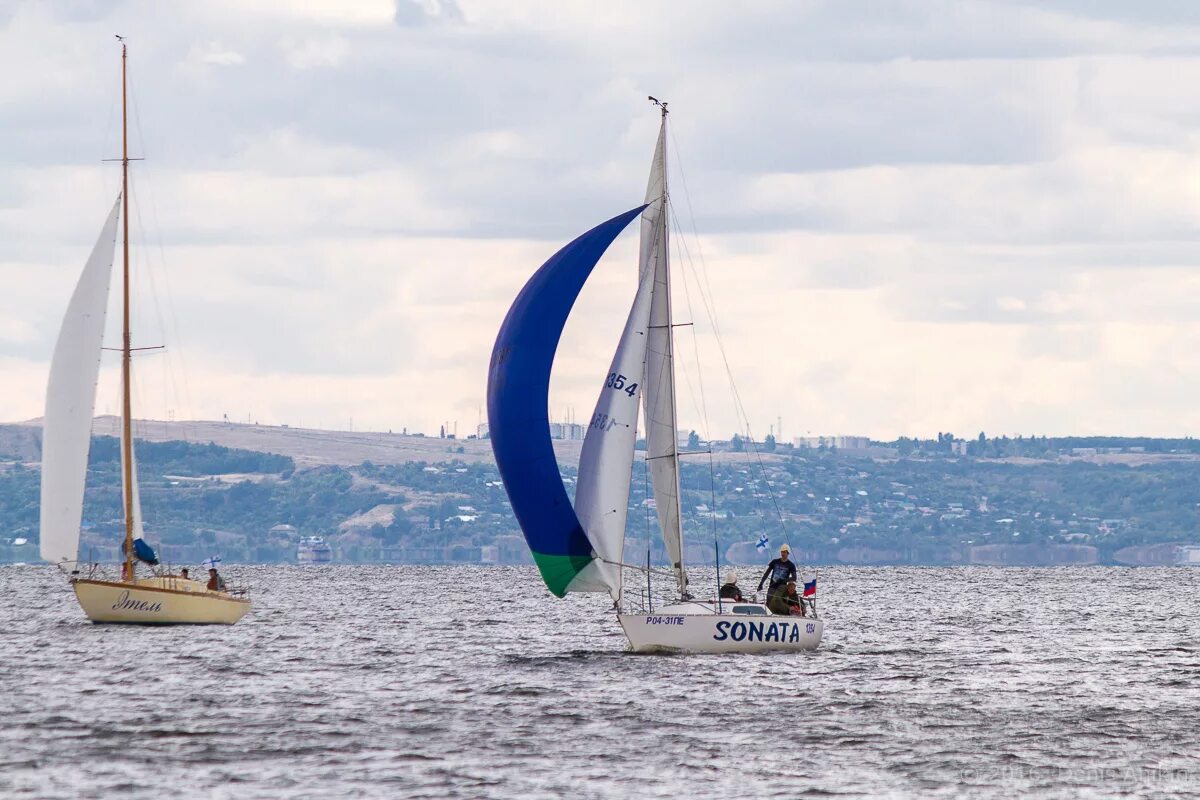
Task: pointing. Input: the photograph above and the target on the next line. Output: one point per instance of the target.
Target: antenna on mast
(660, 103)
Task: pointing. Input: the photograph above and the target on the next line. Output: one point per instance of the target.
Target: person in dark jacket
(785, 601)
(780, 571)
(730, 590)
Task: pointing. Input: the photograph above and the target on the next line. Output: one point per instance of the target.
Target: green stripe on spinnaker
(559, 571)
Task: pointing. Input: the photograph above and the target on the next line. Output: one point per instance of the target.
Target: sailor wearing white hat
(730, 590)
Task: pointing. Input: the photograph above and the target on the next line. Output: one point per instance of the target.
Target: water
(447, 682)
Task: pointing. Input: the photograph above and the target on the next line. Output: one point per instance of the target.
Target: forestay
(71, 401)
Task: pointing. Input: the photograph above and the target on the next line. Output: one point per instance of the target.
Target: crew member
(785, 601)
(730, 590)
(780, 571)
(215, 582)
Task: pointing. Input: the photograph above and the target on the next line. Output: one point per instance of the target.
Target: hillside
(250, 492)
(308, 447)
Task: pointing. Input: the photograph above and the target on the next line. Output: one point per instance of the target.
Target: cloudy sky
(909, 217)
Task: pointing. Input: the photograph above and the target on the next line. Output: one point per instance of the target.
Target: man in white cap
(729, 589)
(780, 571)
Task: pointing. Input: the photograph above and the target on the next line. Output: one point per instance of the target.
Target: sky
(905, 217)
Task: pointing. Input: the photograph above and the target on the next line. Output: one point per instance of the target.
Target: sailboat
(580, 547)
(70, 403)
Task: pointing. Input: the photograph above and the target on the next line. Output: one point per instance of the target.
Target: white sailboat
(70, 405)
(580, 548)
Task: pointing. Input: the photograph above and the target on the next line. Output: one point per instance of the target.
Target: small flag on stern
(211, 562)
(763, 541)
(810, 587)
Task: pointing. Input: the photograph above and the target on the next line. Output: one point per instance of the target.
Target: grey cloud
(415, 12)
(416, 99)
(1161, 12)
(518, 130)
(940, 30)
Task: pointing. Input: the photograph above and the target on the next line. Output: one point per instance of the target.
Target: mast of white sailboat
(126, 350)
(680, 576)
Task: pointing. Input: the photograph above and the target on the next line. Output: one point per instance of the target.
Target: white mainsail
(659, 392)
(661, 457)
(605, 463)
(71, 401)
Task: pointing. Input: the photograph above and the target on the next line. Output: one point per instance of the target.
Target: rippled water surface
(474, 682)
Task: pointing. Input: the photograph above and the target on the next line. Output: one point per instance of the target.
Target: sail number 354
(617, 381)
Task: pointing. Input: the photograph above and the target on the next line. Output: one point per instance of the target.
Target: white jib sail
(605, 463)
(71, 401)
(659, 391)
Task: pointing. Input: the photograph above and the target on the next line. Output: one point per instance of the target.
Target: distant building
(839, 441)
(1188, 556)
(482, 431)
(570, 431)
(513, 549)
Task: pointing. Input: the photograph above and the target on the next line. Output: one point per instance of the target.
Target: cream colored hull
(158, 601)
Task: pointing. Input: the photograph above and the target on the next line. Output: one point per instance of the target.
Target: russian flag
(810, 587)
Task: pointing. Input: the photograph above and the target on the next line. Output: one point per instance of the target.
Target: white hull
(314, 550)
(158, 601)
(720, 633)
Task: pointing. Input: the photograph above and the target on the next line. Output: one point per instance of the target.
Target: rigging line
(148, 272)
(739, 407)
(703, 409)
(712, 478)
(143, 258)
(646, 495)
(703, 405)
(684, 366)
(638, 568)
(174, 377)
(701, 277)
(703, 283)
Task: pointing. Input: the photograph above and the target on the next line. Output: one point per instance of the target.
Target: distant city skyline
(912, 218)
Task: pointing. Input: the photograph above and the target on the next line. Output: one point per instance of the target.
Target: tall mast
(126, 350)
(666, 233)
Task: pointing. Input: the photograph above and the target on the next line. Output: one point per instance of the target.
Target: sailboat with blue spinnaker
(579, 547)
